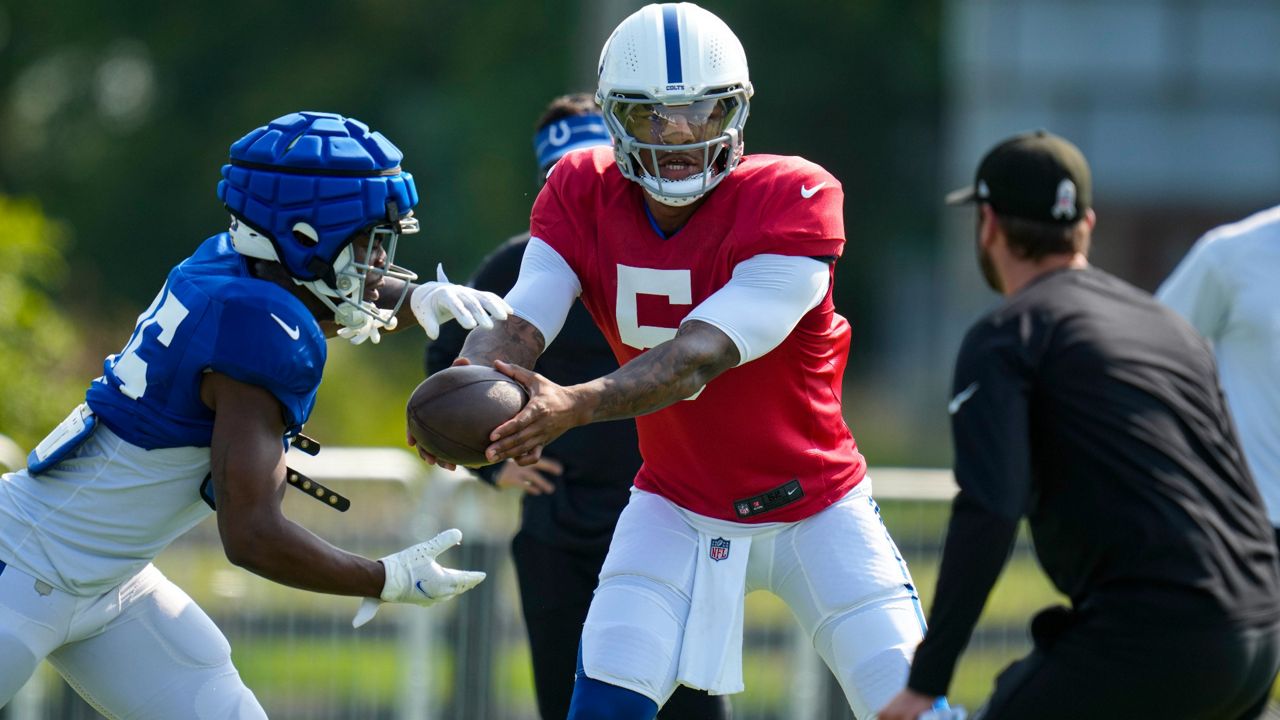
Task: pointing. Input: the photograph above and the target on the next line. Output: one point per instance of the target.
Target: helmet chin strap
(655, 187)
(677, 193)
(349, 311)
(357, 318)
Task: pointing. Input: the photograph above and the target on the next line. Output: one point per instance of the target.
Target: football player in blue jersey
(194, 414)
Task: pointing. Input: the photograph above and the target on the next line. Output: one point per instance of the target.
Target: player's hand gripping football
(414, 576)
(436, 302)
(551, 411)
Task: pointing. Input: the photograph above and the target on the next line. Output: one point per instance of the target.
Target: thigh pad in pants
(33, 622)
(164, 658)
(636, 623)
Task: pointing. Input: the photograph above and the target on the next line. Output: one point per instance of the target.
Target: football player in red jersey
(709, 273)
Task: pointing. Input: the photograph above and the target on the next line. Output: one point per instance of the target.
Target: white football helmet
(675, 94)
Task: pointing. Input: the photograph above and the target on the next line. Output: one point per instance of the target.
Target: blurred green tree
(39, 370)
(118, 116)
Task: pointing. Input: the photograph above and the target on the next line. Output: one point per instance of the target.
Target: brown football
(452, 412)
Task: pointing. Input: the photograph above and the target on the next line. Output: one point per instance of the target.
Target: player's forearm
(249, 483)
(513, 340)
(662, 376)
(977, 546)
(285, 552)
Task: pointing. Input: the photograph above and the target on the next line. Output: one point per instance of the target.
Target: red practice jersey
(764, 441)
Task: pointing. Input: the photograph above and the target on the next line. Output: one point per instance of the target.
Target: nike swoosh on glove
(414, 576)
(438, 301)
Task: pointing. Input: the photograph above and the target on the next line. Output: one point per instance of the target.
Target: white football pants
(838, 571)
(143, 649)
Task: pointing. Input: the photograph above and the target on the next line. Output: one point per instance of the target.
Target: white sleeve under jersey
(545, 289)
(764, 301)
(759, 306)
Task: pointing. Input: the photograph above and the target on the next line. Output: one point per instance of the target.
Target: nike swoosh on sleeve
(807, 193)
(954, 406)
(293, 332)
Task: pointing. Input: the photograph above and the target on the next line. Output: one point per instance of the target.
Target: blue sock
(595, 700)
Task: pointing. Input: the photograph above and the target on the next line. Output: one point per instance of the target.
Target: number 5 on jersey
(674, 285)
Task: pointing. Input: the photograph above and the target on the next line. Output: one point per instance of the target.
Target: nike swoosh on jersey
(293, 332)
(961, 397)
(807, 193)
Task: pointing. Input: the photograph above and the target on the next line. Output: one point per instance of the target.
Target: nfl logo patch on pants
(719, 549)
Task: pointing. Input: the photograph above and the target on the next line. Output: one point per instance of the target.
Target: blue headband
(569, 133)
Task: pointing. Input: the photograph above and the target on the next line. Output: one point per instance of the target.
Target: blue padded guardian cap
(309, 181)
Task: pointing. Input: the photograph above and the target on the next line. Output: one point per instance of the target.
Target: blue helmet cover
(330, 172)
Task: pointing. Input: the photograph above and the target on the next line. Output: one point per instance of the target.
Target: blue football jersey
(211, 315)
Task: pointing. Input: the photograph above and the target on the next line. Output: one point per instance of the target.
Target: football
(451, 413)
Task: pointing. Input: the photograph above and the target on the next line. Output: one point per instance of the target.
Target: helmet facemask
(343, 286)
(354, 275)
(655, 138)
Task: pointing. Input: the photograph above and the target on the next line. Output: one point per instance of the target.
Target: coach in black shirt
(575, 492)
(1086, 406)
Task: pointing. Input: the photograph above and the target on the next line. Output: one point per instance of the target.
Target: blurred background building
(1176, 104)
(116, 117)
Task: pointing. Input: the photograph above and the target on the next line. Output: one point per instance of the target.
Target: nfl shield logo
(719, 549)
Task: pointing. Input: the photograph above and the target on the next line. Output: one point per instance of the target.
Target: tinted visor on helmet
(654, 123)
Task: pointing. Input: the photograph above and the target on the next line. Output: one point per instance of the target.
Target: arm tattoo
(667, 373)
(514, 340)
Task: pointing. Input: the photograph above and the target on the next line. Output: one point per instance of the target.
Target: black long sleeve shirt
(1095, 412)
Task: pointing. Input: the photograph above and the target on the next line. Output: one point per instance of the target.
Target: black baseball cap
(1034, 176)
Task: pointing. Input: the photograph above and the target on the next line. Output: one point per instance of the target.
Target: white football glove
(414, 576)
(436, 302)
